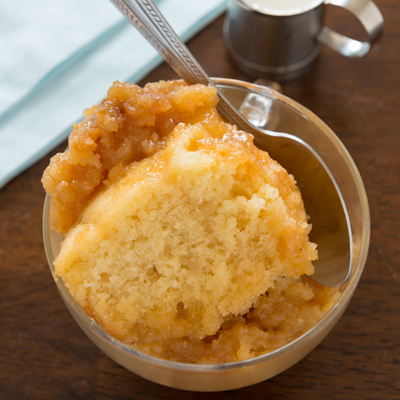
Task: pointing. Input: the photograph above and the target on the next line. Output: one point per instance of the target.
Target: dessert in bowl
(185, 244)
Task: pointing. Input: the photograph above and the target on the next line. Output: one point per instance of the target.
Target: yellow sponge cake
(182, 238)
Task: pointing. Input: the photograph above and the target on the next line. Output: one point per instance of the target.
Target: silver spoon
(322, 198)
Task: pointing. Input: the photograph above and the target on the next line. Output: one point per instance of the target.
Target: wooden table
(45, 355)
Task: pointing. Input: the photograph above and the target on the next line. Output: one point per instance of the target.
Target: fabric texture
(57, 58)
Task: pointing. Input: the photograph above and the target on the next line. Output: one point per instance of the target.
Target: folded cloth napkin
(57, 58)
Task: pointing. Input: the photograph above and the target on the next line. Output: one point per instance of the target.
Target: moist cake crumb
(182, 239)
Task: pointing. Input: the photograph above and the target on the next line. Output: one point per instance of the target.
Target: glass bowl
(284, 115)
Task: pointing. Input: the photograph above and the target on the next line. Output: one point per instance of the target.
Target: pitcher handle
(369, 16)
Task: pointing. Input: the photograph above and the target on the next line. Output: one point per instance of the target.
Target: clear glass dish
(284, 115)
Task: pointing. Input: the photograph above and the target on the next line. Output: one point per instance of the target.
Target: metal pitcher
(280, 39)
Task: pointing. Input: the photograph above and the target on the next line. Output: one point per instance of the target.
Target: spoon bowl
(323, 200)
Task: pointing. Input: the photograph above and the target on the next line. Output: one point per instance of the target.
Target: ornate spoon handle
(147, 18)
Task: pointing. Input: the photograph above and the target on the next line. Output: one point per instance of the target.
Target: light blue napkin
(59, 57)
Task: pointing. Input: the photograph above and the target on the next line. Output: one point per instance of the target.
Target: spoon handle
(147, 18)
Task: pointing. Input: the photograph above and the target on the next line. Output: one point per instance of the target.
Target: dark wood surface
(45, 355)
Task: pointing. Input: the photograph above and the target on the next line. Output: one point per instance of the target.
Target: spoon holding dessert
(322, 198)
